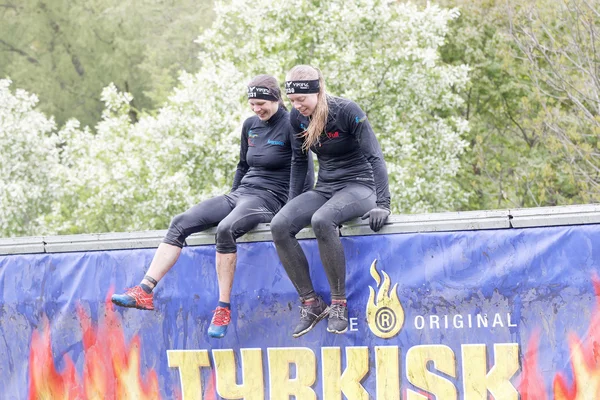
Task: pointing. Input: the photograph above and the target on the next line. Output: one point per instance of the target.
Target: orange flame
(210, 393)
(45, 382)
(532, 383)
(585, 360)
(111, 368)
(585, 364)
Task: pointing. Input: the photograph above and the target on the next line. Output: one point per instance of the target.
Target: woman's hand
(377, 218)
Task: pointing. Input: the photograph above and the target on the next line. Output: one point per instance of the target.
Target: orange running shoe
(134, 297)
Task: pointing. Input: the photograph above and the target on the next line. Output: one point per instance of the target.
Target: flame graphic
(585, 364)
(111, 369)
(532, 382)
(386, 315)
(44, 381)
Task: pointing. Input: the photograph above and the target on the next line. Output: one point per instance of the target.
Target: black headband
(293, 87)
(261, 92)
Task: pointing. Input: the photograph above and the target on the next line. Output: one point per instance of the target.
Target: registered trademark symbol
(385, 319)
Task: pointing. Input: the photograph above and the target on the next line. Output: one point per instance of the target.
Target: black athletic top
(348, 151)
(266, 156)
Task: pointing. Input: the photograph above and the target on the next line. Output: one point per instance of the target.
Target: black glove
(377, 218)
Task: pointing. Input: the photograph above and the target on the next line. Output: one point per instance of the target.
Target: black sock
(225, 305)
(146, 288)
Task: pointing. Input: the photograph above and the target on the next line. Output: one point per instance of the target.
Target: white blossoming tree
(381, 54)
(29, 154)
(135, 177)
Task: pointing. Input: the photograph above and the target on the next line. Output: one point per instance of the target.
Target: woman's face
(304, 103)
(265, 109)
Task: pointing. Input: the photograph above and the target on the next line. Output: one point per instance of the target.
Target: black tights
(325, 211)
(234, 214)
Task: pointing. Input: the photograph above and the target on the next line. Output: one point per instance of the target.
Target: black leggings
(235, 213)
(325, 211)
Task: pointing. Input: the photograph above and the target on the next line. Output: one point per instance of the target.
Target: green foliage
(530, 100)
(510, 161)
(68, 51)
(135, 176)
(559, 41)
(529, 95)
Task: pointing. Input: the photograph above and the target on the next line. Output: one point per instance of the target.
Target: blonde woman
(260, 188)
(352, 182)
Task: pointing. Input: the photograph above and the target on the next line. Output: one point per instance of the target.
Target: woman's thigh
(248, 212)
(351, 202)
(297, 213)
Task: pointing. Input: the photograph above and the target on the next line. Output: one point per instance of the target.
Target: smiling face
(304, 103)
(264, 109)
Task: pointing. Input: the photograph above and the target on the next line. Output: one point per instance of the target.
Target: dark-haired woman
(260, 188)
(352, 182)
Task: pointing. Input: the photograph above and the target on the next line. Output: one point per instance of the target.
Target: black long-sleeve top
(266, 156)
(348, 151)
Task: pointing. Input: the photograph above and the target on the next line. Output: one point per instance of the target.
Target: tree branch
(56, 28)
(530, 142)
(20, 52)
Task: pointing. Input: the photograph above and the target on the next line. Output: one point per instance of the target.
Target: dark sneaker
(338, 318)
(219, 323)
(310, 315)
(134, 298)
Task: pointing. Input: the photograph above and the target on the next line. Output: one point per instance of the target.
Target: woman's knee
(280, 227)
(178, 221)
(225, 239)
(176, 233)
(322, 224)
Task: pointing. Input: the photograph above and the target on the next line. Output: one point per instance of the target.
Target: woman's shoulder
(298, 122)
(341, 105)
(295, 117)
(250, 122)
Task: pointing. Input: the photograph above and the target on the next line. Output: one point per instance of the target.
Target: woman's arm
(361, 128)
(300, 159)
(242, 166)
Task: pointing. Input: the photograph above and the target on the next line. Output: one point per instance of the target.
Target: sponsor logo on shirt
(276, 142)
(251, 138)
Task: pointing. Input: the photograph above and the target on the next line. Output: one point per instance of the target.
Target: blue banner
(503, 314)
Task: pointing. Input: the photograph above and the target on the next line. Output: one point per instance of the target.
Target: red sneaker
(134, 297)
(219, 323)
